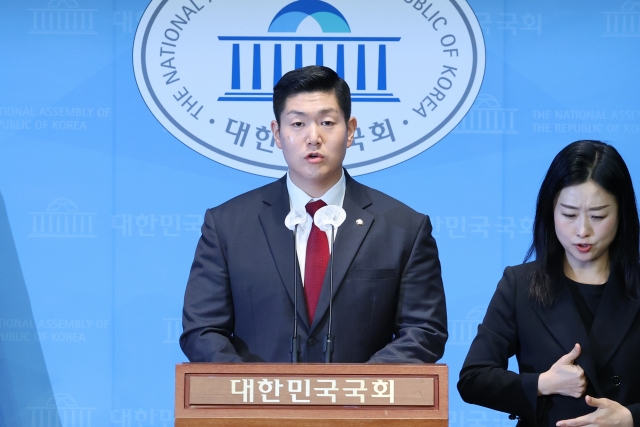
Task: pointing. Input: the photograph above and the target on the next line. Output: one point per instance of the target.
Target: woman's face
(586, 222)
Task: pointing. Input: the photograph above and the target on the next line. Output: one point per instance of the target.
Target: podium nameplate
(323, 391)
(300, 395)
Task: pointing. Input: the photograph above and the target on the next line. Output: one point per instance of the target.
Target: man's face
(314, 138)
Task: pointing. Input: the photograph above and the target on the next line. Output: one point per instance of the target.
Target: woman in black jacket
(571, 316)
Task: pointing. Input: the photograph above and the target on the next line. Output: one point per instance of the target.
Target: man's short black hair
(313, 78)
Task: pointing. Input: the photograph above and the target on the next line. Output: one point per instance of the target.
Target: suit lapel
(614, 310)
(349, 237)
(563, 322)
(281, 241)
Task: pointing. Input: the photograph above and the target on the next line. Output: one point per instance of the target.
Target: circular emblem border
(473, 82)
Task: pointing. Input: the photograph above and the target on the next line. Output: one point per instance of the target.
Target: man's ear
(275, 129)
(352, 125)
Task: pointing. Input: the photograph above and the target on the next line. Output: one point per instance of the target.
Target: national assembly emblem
(206, 70)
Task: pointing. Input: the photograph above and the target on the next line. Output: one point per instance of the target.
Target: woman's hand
(564, 377)
(609, 413)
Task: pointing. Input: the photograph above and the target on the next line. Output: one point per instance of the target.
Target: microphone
(294, 219)
(327, 219)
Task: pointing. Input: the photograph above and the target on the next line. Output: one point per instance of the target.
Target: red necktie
(316, 261)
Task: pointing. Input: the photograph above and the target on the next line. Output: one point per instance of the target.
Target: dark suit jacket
(388, 302)
(538, 337)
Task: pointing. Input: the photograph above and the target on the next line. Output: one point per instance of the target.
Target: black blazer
(388, 303)
(538, 337)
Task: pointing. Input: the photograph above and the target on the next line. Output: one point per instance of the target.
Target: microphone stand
(328, 344)
(295, 340)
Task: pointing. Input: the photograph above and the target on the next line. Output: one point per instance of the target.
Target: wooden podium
(284, 395)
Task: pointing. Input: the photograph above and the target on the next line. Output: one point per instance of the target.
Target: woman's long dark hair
(577, 163)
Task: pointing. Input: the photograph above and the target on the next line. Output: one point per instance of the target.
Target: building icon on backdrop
(625, 22)
(462, 332)
(64, 406)
(486, 116)
(173, 329)
(346, 48)
(62, 219)
(63, 17)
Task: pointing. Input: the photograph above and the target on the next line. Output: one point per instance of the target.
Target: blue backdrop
(101, 207)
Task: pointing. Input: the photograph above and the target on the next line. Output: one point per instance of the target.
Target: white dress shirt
(297, 197)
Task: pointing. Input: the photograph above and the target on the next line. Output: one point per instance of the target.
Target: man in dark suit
(388, 300)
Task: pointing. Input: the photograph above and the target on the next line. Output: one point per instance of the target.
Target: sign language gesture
(564, 377)
(609, 413)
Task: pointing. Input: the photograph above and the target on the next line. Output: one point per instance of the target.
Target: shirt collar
(333, 196)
